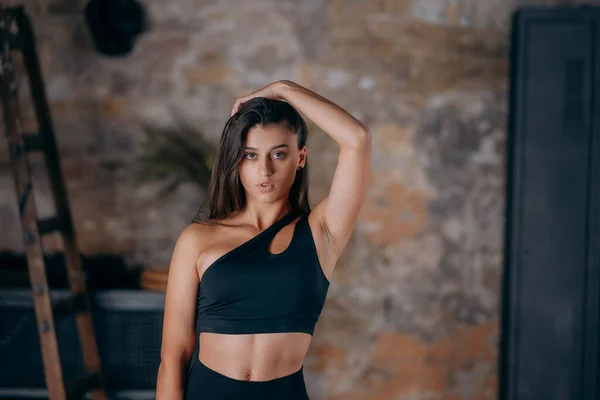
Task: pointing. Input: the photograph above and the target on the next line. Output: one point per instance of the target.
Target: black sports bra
(250, 290)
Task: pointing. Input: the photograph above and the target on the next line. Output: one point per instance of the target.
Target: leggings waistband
(282, 381)
(206, 383)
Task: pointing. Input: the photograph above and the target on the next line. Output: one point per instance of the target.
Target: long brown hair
(225, 192)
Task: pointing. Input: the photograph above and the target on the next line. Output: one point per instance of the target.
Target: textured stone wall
(413, 309)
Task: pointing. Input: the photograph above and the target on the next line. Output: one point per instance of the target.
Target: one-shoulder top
(250, 290)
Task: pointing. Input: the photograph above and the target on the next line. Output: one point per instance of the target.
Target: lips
(267, 188)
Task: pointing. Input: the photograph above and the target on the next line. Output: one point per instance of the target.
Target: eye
(281, 153)
(247, 156)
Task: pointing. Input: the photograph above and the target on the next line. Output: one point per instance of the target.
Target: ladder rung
(49, 225)
(91, 381)
(75, 303)
(33, 142)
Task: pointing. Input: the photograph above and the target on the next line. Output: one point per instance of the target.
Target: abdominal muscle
(254, 357)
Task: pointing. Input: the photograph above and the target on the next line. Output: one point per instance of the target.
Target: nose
(266, 167)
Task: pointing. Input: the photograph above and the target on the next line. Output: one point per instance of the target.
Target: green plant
(172, 156)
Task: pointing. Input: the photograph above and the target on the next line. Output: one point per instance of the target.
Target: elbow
(172, 367)
(171, 357)
(363, 139)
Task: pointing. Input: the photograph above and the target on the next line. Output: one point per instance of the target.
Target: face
(271, 156)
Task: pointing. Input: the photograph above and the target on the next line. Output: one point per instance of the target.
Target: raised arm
(336, 215)
(179, 330)
(338, 212)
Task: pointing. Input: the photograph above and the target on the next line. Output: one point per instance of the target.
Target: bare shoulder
(199, 230)
(200, 236)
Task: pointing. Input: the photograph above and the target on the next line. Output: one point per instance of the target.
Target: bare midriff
(254, 357)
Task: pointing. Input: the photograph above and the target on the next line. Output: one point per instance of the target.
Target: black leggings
(206, 384)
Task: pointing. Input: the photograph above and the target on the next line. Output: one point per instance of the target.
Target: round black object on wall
(114, 24)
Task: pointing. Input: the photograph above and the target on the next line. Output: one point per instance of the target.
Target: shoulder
(195, 231)
(202, 231)
(195, 238)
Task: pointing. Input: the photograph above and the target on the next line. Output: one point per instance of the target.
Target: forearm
(170, 381)
(343, 128)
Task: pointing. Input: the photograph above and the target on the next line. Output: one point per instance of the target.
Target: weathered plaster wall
(413, 309)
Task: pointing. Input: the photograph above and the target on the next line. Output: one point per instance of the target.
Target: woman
(246, 288)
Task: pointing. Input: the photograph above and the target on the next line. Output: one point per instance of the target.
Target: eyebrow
(272, 148)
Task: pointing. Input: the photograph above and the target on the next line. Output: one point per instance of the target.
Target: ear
(302, 156)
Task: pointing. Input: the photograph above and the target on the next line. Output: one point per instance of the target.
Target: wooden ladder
(16, 33)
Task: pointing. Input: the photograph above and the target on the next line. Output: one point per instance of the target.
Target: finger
(238, 103)
(235, 107)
